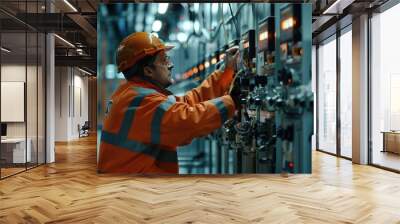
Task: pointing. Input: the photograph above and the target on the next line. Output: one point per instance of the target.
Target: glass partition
(327, 96)
(346, 93)
(22, 88)
(385, 89)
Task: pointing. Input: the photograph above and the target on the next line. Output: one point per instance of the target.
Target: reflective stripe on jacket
(143, 127)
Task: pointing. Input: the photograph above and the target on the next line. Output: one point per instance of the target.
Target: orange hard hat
(137, 46)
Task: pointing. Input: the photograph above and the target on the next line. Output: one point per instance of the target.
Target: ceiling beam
(79, 20)
(83, 61)
(84, 24)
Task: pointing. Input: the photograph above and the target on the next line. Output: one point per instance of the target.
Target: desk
(13, 150)
(391, 141)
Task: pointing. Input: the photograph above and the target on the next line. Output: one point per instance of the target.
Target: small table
(391, 141)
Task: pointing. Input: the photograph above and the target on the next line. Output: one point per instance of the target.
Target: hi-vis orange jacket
(144, 126)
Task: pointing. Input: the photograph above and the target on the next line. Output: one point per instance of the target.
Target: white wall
(71, 93)
(61, 103)
(80, 85)
(16, 72)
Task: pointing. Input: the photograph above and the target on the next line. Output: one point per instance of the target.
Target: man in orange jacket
(145, 122)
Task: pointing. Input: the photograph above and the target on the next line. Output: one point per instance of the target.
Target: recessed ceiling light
(5, 50)
(65, 41)
(84, 71)
(70, 5)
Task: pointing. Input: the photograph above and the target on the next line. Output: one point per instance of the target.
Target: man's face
(160, 71)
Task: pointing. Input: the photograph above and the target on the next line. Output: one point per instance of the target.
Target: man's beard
(170, 80)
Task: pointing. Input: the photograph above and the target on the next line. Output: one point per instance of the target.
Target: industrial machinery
(272, 130)
(294, 131)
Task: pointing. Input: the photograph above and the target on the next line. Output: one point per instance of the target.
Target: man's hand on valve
(231, 58)
(231, 61)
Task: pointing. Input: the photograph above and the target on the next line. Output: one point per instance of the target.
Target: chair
(84, 130)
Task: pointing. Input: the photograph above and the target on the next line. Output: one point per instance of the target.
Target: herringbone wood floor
(70, 191)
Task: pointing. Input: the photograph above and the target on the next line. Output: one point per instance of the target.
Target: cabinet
(391, 141)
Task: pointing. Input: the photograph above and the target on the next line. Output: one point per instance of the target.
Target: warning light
(221, 56)
(201, 67)
(190, 72)
(195, 70)
(263, 36)
(291, 165)
(207, 64)
(213, 61)
(288, 23)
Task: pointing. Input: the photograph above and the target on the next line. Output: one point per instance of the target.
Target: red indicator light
(291, 165)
